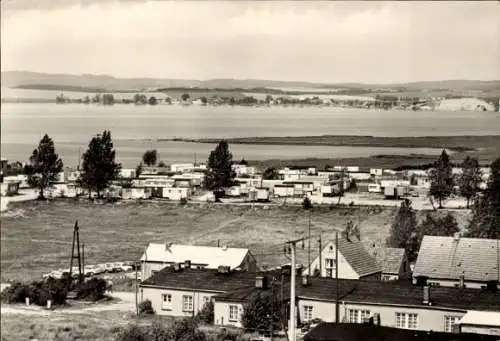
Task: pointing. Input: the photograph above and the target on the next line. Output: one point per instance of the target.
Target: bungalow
(391, 304)
(258, 194)
(458, 262)
(127, 173)
(376, 172)
(182, 290)
(354, 261)
(284, 190)
(22, 179)
(175, 193)
(181, 167)
(135, 193)
(301, 188)
(360, 175)
(392, 260)
(158, 256)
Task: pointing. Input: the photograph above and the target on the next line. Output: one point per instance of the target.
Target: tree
(108, 99)
(403, 230)
(162, 164)
(269, 99)
(140, 99)
(470, 179)
(206, 314)
(138, 170)
(243, 162)
(185, 97)
(99, 167)
(204, 100)
(442, 226)
(220, 174)
(261, 312)
(441, 179)
(45, 165)
(152, 100)
(150, 157)
(485, 222)
(270, 174)
(307, 204)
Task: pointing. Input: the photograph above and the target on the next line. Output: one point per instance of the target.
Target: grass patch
(37, 238)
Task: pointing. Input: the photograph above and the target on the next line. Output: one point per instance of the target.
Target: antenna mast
(76, 240)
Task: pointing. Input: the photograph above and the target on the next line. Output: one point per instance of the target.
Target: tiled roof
(243, 294)
(443, 257)
(358, 258)
(364, 332)
(399, 293)
(389, 258)
(204, 279)
(210, 256)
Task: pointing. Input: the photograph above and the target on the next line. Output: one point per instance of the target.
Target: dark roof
(243, 294)
(365, 332)
(444, 257)
(204, 279)
(399, 293)
(356, 255)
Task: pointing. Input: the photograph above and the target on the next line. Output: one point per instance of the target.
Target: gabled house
(182, 290)
(393, 261)
(458, 262)
(354, 261)
(159, 256)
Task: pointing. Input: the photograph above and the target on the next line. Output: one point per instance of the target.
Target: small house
(392, 260)
(175, 193)
(284, 191)
(136, 193)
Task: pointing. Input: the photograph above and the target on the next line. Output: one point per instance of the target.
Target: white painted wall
(328, 252)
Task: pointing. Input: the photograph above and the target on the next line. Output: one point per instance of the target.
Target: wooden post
(320, 256)
(337, 277)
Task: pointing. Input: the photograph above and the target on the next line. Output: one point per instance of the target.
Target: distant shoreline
(453, 143)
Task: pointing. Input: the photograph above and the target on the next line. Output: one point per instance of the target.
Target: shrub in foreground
(93, 289)
(206, 314)
(183, 330)
(39, 292)
(146, 308)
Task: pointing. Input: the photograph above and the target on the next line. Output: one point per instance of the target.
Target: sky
(330, 42)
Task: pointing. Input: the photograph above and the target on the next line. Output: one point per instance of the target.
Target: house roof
(481, 318)
(243, 294)
(446, 258)
(210, 256)
(356, 255)
(205, 279)
(389, 258)
(398, 293)
(365, 332)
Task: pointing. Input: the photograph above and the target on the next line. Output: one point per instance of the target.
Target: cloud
(323, 41)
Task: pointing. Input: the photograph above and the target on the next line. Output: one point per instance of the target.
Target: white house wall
(345, 270)
(156, 298)
(221, 314)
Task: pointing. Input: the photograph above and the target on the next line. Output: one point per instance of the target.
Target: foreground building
(159, 256)
(458, 262)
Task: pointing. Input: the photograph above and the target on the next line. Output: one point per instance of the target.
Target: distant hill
(39, 81)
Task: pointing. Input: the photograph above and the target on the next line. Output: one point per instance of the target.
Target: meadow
(36, 236)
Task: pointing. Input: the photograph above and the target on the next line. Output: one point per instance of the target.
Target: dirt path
(125, 302)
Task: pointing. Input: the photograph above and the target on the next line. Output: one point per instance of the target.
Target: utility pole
(293, 273)
(309, 245)
(136, 290)
(337, 277)
(83, 258)
(320, 256)
(76, 240)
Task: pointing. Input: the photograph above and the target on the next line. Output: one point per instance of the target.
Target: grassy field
(63, 327)
(36, 236)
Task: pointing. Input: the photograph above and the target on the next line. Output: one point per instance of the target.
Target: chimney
(427, 295)
(187, 264)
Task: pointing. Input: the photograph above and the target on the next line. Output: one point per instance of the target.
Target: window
(386, 278)
(308, 312)
(450, 322)
(329, 266)
(233, 313)
(187, 303)
(166, 302)
(406, 320)
(358, 316)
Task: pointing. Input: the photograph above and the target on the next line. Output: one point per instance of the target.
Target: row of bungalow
(451, 278)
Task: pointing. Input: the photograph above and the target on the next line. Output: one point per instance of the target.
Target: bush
(206, 314)
(92, 289)
(183, 201)
(38, 292)
(132, 333)
(306, 204)
(146, 308)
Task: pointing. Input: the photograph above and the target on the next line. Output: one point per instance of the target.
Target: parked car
(89, 270)
(126, 268)
(99, 269)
